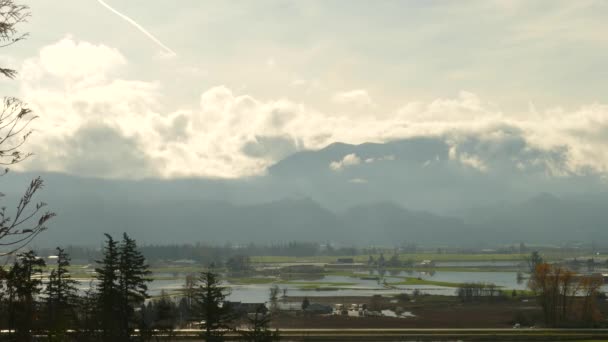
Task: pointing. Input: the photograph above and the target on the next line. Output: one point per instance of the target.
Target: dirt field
(429, 313)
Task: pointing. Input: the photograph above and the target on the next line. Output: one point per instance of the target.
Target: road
(425, 334)
(413, 335)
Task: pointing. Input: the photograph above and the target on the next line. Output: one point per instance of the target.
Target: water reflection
(368, 283)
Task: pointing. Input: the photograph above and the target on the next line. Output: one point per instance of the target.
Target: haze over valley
(411, 190)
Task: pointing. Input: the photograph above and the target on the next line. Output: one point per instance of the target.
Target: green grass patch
(251, 280)
(299, 284)
(453, 269)
(318, 288)
(178, 269)
(417, 257)
(416, 281)
(310, 283)
(340, 273)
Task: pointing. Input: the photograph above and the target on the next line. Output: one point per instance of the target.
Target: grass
(416, 281)
(251, 280)
(318, 288)
(455, 269)
(177, 269)
(299, 284)
(403, 257)
(350, 274)
(318, 284)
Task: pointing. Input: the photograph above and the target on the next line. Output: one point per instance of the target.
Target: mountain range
(422, 190)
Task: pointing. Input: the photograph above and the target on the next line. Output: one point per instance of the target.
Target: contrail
(139, 27)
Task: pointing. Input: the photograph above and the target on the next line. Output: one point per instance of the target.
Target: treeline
(115, 306)
(474, 292)
(392, 261)
(217, 255)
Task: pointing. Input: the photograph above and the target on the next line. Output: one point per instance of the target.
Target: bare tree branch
(28, 220)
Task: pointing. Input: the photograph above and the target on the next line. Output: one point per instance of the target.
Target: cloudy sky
(152, 88)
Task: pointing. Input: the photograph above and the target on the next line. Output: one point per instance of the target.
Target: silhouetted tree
(108, 291)
(122, 277)
(259, 330)
(146, 316)
(23, 285)
(305, 303)
(211, 307)
(533, 260)
(19, 228)
(133, 275)
(164, 316)
(88, 313)
(61, 297)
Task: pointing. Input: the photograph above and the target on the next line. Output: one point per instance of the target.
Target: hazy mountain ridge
(82, 220)
(412, 190)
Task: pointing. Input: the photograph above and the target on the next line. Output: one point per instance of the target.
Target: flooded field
(498, 263)
(355, 282)
(362, 283)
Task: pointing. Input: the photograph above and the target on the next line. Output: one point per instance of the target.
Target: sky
(225, 89)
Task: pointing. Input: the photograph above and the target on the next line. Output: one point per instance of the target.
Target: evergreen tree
(133, 275)
(61, 296)
(165, 315)
(88, 324)
(184, 311)
(108, 293)
(259, 328)
(145, 321)
(23, 285)
(211, 307)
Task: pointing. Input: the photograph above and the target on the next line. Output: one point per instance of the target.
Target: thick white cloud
(467, 159)
(389, 157)
(80, 94)
(73, 60)
(348, 160)
(357, 97)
